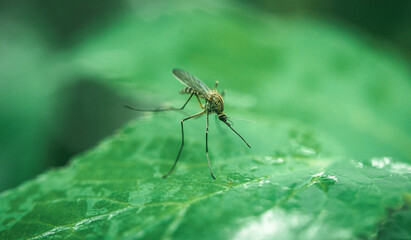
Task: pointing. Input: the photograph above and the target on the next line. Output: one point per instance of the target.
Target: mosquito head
(223, 117)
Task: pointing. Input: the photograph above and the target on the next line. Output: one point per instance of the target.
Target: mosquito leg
(201, 105)
(216, 84)
(223, 93)
(187, 102)
(208, 158)
(182, 141)
(162, 109)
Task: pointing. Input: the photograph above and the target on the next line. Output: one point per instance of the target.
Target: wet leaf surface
(329, 134)
(116, 190)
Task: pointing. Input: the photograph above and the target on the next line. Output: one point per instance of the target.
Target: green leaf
(329, 134)
(116, 190)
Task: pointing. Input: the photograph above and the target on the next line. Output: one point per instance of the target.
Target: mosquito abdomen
(189, 90)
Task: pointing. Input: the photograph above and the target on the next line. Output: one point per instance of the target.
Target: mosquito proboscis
(214, 103)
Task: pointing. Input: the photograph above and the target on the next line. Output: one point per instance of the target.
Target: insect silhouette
(214, 103)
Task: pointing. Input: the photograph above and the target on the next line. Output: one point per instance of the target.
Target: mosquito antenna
(236, 133)
(241, 119)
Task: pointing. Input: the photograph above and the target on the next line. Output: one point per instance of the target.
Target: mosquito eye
(222, 117)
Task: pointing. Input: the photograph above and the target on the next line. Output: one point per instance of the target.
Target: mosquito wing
(192, 82)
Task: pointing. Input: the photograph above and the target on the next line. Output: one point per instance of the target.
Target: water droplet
(307, 150)
(261, 183)
(400, 168)
(334, 178)
(272, 224)
(323, 181)
(303, 144)
(318, 174)
(381, 162)
(273, 160)
(253, 168)
(269, 160)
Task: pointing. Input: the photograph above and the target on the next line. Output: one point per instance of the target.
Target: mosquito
(214, 103)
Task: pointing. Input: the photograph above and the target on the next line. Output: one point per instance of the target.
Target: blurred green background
(66, 69)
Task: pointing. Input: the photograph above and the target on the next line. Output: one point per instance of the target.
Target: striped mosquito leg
(161, 109)
(182, 141)
(208, 158)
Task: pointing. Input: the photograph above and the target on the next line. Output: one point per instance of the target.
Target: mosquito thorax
(215, 103)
